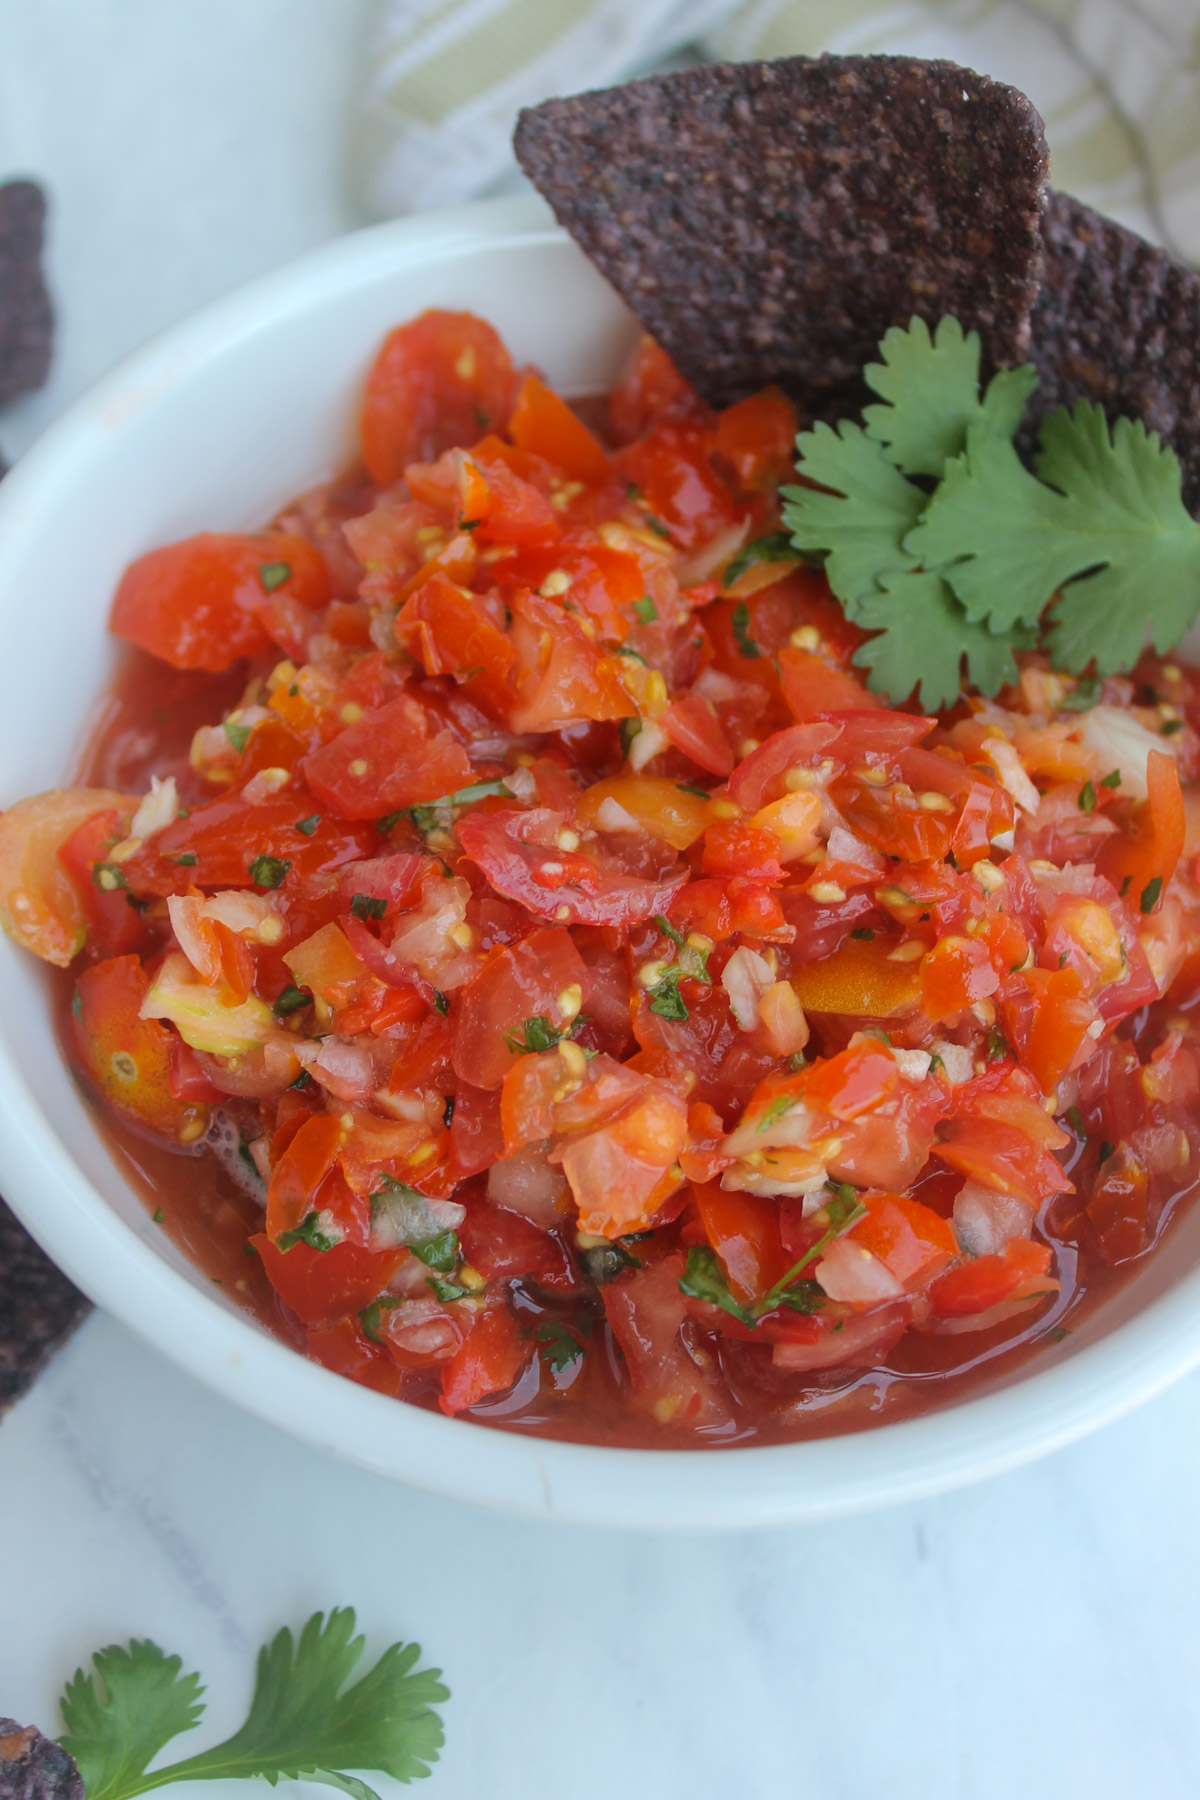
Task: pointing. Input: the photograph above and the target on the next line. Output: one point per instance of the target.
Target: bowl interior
(212, 428)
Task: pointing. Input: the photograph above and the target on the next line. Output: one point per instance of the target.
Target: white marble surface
(1035, 1636)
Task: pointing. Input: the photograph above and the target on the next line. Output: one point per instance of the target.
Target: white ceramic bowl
(210, 428)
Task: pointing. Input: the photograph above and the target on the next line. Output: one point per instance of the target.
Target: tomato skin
(388, 759)
(853, 1082)
(568, 887)
(645, 1310)
(127, 1058)
(757, 438)
(489, 1359)
(323, 1285)
(672, 470)
(544, 424)
(43, 907)
(518, 983)
(984, 1281)
(449, 633)
(114, 926)
(909, 1239)
(732, 848)
(690, 724)
(199, 603)
(441, 380)
(308, 1159)
(812, 687)
(743, 1229)
(650, 389)
(345, 1348)
(504, 1246)
(1149, 846)
(225, 835)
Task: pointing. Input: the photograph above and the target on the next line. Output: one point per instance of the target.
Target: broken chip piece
(26, 317)
(768, 221)
(38, 1309)
(1118, 321)
(33, 1767)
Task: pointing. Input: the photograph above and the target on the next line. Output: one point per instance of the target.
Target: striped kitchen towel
(1117, 82)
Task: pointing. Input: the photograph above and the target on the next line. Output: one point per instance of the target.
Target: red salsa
(522, 962)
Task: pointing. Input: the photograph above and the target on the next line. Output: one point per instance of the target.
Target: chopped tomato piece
(321, 1285)
(444, 379)
(489, 1359)
(43, 905)
(544, 424)
(388, 759)
(201, 603)
(126, 1058)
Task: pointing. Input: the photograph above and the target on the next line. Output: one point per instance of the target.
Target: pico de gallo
(532, 971)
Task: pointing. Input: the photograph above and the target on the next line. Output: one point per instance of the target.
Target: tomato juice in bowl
(214, 429)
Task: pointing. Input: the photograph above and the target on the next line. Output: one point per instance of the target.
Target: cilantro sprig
(704, 1277)
(1085, 552)
(304, 1720)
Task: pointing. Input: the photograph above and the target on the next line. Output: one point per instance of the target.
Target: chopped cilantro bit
(302, 1080)
(157, 1216)
(936, 1065)
(368, 906)
(688, 787)
(269, 871)
(558, 1348)
(740, 624)
(1060, 1332)
(646, 610)
(1087, 797)
(538, 1034)
(1150, 893)
(804, 1297)
(77, 1002)
(863, 934)
(446, 1291)
(291, 1000)
(1124, 889)
(441, 1252)
(1112, 779)
(448, 1110)
(273, 575)
(309, 825)
(469, 524)
(1074, 1119)
(631, 653)
(657, 526)
(238, 735)
(628, 729)
(777, 546)
(782, 1103)
(1171, 726)
(390, 821)
(440, 1002)
(310, 1233)
(109, 876)
(187, 859)
(669, 931)
(797, 1061)
(1085, 696)
(665, 998)
(704, 1279)
(371, 1317)
(1106, 1150)
(997, 1045)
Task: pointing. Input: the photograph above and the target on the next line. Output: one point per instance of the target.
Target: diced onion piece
(985, 1221)
(746, 978)
(1004, 759)
(612, 816)
(913, 1064)
(527, 1184)
(784, 1026)
(1123, 742)
(157, 810)
(851, 1274)
(200, 1015)
(958, 1062)
(649, 743)
(345, 1069)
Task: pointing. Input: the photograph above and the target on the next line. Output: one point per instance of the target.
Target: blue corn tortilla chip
(39, 1308)
(767, 222)
(26, 317)
(33, 1767)
(1118, 321)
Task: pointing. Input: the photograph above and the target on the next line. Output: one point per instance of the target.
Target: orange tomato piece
(43, 906)
(910, 1239)
(859, 980)
(811, 686)
(743, 1229)
(853, 1082)
(126, 1058)
(955, 974)
(544, 424)
(1141, 858)
(660, 806)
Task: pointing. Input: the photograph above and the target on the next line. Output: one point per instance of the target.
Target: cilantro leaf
(304, 1721)
(558, 1348)
(739, 621)
(119, 1717)
(307, 1232)
(538, 1034)
(931, 386)
(665, 997)
(863, 523)
(704, 1279)
(924, 634)
(1007, 541)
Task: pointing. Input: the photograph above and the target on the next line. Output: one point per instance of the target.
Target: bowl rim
(1037, 1412)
